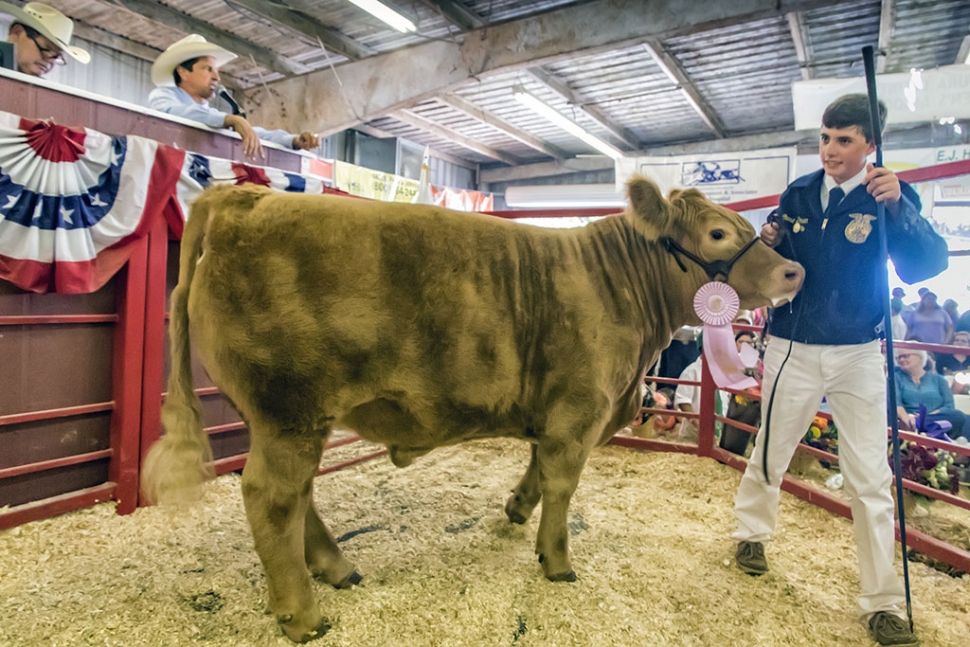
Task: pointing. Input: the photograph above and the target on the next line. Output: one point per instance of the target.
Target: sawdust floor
(443, 567)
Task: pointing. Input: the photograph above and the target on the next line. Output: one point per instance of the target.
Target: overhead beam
(371, 131)
(671, 67)
(803, 45)
(444, 132)
(546, 169)
(887, 24)
(114, 42)
(486, 117)
(189, 25)
(377, 85)
(300, 22)
(456, 14)
(562, 88)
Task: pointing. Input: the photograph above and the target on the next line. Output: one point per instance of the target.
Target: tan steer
(419, 327)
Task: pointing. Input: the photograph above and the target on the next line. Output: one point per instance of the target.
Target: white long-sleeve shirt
(174, 100)
(690, 394)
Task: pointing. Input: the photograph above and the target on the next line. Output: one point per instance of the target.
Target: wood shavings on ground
(442, 566)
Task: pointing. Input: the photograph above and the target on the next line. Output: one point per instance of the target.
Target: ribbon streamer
(717, 304)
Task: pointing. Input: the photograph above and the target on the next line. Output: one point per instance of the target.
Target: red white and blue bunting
(72, 200)
(200, 172)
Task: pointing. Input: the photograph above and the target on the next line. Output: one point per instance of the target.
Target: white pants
(853, 381)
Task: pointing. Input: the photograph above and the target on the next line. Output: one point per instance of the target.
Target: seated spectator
(687, 398)
(187, 76)
(954, 363)
(41, 36)
(679, 354)
(916, 386)
(951, 364)
(929, 321)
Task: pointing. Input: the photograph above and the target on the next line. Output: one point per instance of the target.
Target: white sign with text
(722, 177)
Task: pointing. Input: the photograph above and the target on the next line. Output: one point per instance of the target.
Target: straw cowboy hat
(192, 46)
(51, 23)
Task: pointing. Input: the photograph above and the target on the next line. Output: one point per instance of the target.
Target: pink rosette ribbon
(717, 305)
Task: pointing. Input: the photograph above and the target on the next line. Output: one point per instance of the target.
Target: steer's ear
(648, 205)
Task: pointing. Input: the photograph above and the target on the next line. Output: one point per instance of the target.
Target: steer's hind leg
(560, 463)
(525, 497)
(277, 482)
(323, 557)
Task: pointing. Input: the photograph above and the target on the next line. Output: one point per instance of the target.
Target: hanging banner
(375, 185)
(722, 177)
(462, 199)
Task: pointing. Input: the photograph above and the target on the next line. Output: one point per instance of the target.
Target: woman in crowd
(916, 386)
(928, 321)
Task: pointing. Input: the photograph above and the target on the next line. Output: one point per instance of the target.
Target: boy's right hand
(771, 234)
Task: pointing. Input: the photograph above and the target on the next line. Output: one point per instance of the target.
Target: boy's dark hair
(853, 110)
(744, 333)
(187, 64)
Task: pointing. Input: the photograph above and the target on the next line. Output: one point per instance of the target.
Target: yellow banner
(368, 183)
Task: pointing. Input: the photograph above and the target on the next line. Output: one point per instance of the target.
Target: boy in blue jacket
(827, 343)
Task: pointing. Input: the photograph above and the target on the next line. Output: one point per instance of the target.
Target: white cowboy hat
(51, 23)
(192, 46)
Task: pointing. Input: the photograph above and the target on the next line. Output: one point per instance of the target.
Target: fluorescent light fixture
(563, 196)
(383, 12)
(570, 127)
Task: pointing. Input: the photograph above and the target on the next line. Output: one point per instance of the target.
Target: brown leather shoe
(890, 630)
(750, 557)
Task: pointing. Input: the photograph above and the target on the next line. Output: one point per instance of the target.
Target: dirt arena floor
(650, 540)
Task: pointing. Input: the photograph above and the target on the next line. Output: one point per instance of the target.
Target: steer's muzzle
(786, 280)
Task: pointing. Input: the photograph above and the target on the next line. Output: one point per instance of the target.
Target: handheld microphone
(224, 93)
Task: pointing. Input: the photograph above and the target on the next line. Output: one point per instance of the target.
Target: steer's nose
(791, 275)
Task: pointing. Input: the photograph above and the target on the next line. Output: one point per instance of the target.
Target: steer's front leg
(560, 463)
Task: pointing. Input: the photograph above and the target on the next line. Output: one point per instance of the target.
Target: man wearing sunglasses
(41, 37)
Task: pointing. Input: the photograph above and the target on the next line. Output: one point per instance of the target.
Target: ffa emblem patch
(797, 224)
(859, 229)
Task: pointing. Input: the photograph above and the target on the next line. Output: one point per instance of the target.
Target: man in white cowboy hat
(41, 36)
(187, 76)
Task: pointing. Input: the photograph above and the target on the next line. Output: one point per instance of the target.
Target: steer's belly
(396, 423)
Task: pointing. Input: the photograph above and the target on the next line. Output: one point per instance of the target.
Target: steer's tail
(181, 460)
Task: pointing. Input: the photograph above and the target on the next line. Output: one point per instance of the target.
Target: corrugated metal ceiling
(741, 73)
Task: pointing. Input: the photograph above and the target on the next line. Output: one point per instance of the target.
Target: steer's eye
(717, 234)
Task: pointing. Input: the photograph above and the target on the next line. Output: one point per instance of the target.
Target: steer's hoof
(513, 510)
(515, 516)
(300, 636)
(351, 580)
(569, 576)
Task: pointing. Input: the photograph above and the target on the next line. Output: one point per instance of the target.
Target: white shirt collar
(846, 186)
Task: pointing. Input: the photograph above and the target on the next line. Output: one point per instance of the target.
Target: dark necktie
(835, 197)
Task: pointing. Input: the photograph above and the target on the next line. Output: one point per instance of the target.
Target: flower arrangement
(823, 434)
(929, 466)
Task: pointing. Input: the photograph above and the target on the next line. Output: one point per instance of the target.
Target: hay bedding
(443, 567)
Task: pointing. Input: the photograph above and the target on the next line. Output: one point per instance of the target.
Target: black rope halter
(714, 269)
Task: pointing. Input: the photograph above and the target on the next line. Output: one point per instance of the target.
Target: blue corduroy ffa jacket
(841, 301)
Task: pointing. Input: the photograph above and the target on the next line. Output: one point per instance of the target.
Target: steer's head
(690, 225)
